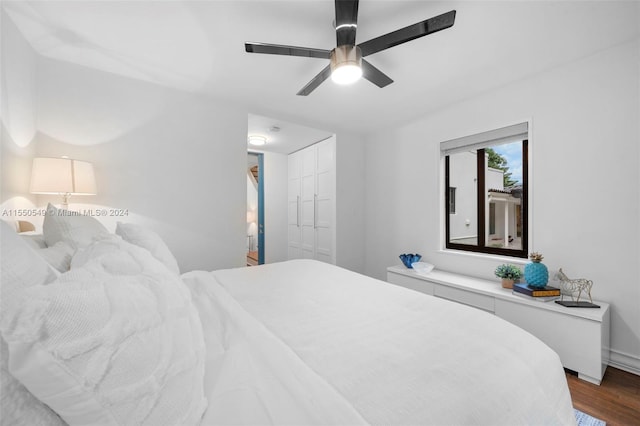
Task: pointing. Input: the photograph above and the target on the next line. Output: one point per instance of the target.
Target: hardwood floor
(252, 258)
(616, 400)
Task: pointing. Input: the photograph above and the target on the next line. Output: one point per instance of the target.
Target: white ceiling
(198, 46)
(289, 137)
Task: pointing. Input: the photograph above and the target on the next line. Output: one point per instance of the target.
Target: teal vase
(536, 274)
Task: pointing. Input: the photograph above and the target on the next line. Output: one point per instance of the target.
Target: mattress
(303, 342)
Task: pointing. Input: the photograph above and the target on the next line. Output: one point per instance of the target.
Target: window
(486, 189)
(452, 200)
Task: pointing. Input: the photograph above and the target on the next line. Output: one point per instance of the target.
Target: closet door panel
(307, 213)
(325, 156)
(294, 231)
(324, 213)
(308, 161)
(294, 250)
(325, 200)
(325, 186)
(324, 245)
(295, 165)
(293, 189)
(308, 186)
(308, 242)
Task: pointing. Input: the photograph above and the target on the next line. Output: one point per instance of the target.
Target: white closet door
(307, 202)
(311, 202)
(325, 199)
(294, 206)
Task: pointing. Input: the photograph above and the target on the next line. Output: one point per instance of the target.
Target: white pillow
(35, 241)
(21, 265)
(21, 268)
(147, 239)
(115, 341)
(59, 256)
(76, 230)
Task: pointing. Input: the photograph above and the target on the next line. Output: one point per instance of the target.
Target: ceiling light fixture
(346, 64)
(257, 140)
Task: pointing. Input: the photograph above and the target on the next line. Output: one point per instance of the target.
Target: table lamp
(63, 176)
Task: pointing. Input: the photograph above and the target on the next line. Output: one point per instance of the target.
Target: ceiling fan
(346, 60)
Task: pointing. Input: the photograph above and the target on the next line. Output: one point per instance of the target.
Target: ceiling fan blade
(374, 75)
(277, 49)
(315, 82)
(346, 22)
(409, 33)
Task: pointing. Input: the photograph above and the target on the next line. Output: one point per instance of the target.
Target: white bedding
(253, 378)
(302, 342)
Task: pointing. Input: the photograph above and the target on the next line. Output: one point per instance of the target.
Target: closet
(311, 202)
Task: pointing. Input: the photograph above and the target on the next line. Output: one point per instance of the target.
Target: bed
(121, 338)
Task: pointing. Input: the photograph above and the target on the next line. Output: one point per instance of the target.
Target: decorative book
(537, 298)
(547, 291)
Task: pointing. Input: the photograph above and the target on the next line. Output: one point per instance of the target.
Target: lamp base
(65, 201)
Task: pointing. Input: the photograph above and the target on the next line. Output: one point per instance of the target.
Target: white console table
(580, 336)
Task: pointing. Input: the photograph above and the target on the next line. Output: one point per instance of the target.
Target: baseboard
(624, 361)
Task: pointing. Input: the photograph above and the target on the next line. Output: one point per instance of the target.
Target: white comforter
(302, 342)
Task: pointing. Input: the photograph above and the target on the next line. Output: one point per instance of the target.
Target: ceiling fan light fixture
(257, 140)
(346, 64)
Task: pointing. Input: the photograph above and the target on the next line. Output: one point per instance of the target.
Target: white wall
(350, 201)
(18, 115)
(176, 161)
(275, 205)
(584, 187)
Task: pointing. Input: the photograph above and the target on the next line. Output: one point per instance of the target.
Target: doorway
(255, 209)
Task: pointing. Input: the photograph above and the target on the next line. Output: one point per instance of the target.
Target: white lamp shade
(62, 176)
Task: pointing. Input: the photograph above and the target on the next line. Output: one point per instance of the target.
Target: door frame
(261, 224)
(261, 228)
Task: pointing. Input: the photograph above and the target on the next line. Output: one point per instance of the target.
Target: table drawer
(476, 300)
(410, 283)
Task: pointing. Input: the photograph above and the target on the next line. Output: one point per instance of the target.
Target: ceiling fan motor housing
(345, 55)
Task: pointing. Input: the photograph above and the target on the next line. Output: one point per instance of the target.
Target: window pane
(452, 200)
(463, 225)
(503, 177)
